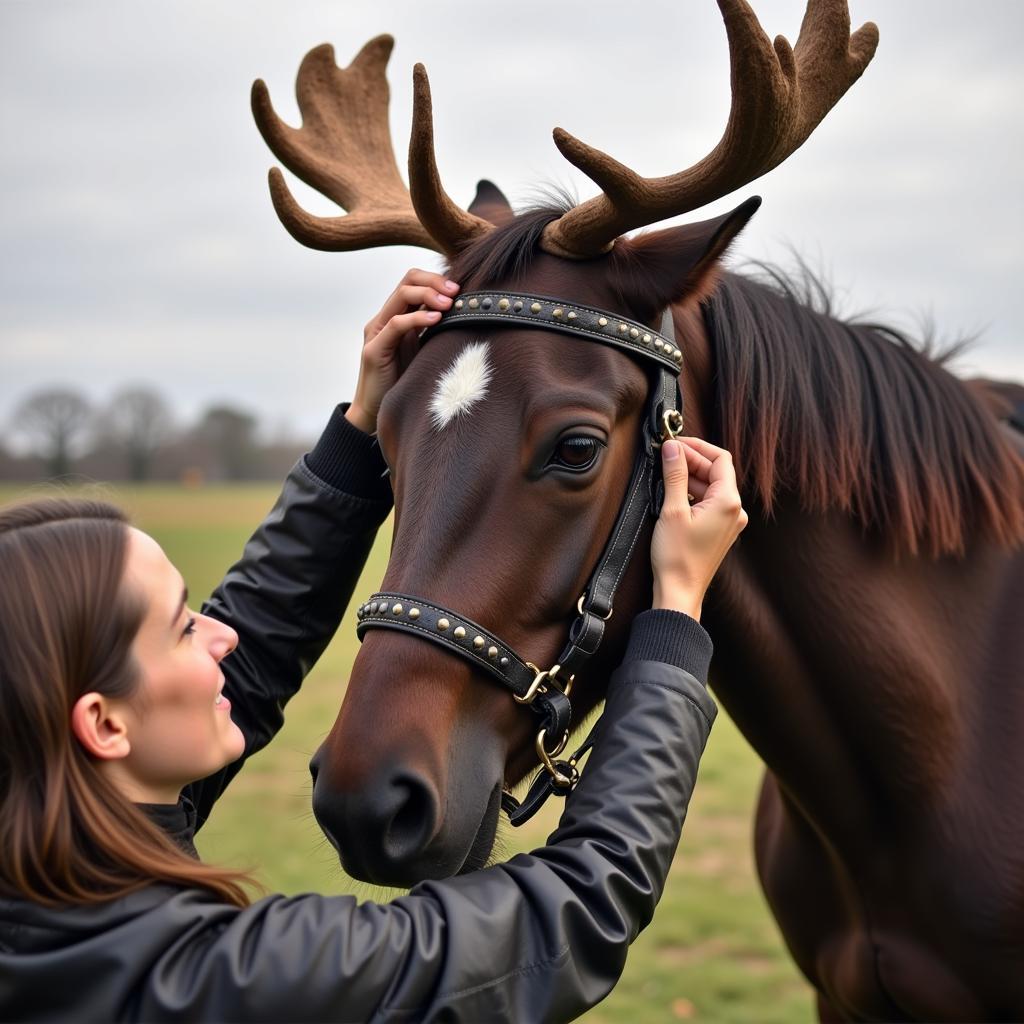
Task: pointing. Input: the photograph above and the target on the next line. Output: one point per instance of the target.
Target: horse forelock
(506, 253)
(854, 416)
(510, 256)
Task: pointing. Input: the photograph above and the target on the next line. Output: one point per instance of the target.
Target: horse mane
(854, 416)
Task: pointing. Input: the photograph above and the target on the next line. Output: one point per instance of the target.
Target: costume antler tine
(452, 226)
(343, 150)
(780, 95)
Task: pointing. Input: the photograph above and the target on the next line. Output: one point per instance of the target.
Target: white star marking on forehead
(462, 385)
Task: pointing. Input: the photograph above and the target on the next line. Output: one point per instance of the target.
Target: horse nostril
(413, 821)
(384, 828)
(314, 767)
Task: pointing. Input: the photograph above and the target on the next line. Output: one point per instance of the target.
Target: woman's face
(178, 722)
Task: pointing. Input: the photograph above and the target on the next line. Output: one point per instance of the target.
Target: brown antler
(452, 226)
(779, 95)
(343, 150)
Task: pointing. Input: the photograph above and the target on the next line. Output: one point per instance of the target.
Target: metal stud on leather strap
(450, 630)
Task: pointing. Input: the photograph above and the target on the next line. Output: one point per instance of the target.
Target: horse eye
(578, 452)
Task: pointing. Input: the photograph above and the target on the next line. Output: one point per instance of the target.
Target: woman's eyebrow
(181, 606)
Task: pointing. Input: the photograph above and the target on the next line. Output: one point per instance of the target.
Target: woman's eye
(190, 627)
(578, 452)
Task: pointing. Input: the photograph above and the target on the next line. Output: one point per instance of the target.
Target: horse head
(512, 444)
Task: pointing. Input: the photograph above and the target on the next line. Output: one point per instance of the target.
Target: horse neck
(870, 688)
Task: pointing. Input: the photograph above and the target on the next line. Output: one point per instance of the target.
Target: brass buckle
(546, 756)
(541, 677)
(671, 424)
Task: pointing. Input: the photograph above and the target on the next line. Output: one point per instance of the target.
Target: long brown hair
(67, 623)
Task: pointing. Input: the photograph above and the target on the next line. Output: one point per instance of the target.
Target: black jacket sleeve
(540, 938)
(287, 593)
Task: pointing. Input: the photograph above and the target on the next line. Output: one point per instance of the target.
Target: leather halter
(546, 691)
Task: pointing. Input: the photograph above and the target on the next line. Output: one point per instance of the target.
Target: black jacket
(539, 938)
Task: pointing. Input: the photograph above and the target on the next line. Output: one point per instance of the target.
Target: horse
(867, 626)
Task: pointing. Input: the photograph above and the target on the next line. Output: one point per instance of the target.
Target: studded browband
(546, 691)
(566, 317)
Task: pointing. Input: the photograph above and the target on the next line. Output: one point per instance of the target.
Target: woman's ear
(100, 728)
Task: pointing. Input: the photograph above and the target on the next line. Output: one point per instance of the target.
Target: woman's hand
(690, 542)
(414, 305)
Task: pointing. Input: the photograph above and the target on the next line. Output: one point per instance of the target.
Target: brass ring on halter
(579, 608)
(546, 757)
(671, 424)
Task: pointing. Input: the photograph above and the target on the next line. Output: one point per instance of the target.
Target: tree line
(57, 432)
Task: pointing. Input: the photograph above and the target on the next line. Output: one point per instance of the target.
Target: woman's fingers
(696, 489)
(429, 278)
(716, 462)
(391, 338)
(409, 296)
(689, 543)
(713, 466)
(426, 279)
(698, 465)
(417, 288)
(411, 307)
(392, 332)
(675, 475)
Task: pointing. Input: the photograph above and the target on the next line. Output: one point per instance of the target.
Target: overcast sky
(139, 243)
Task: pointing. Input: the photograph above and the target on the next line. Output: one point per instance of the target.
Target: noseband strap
(529, 685)
(391, 610)
(546, 691)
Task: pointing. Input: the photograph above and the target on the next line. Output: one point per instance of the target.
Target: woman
(116, 699)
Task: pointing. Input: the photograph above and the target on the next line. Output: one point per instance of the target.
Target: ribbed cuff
(349, 460)
(672, 637)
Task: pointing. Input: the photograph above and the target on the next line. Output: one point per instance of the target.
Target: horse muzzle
(408, 792)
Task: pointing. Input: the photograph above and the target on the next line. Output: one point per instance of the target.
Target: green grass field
(712, 953)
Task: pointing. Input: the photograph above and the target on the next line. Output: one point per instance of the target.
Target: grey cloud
(139, 242)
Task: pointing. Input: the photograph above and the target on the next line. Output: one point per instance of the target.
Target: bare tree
(231, 434)
(54, 420)
(139, 421)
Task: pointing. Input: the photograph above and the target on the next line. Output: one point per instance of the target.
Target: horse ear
(679, 264)
(491, 204)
